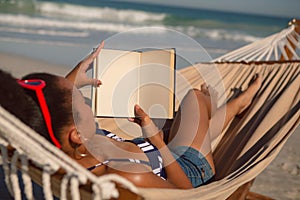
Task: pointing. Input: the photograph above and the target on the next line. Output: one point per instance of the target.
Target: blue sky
(286, 8)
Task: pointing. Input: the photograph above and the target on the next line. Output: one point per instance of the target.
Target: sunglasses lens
(35, 83)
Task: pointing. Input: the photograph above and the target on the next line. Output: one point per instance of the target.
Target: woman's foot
(211, 98)
(246, 97)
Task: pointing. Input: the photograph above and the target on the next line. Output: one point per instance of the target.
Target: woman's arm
(78, 75)
(175, 174)
(144, 178)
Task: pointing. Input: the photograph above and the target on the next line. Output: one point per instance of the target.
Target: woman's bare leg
(211, 99)
(191, 122)
(223, 116)
(191, 126)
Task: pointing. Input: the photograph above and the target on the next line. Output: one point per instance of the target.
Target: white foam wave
(35, 22)
(44, 42)
(27, 21)
(226, 35)
(216, 34)
(78, 28)
(105, 14)
(44, 32)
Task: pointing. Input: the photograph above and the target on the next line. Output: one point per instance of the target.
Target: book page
(118, 71)
(157, 83)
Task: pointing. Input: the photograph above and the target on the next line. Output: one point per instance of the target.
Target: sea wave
(28, 21)
(216, 34)
(69, 28)
(44, 32)
(72, 20)
(135, 17)
(41, 42)
(17, 6)
(98, 13)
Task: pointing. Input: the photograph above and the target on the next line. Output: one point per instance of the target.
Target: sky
(284, 8)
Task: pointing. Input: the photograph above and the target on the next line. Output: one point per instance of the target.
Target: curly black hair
(58, 100)
(14, 99)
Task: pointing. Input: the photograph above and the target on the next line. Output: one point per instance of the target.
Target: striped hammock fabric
(284, 45)
(251, 141)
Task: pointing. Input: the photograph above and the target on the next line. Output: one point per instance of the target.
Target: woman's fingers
(139, 112)
(141, 117)
(89, 60)
(93, 82)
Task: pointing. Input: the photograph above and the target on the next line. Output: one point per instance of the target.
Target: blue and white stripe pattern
(109, 134)
(153, 154)
(119, 160)
(115, 137)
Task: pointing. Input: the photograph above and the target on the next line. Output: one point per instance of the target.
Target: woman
(186, 161)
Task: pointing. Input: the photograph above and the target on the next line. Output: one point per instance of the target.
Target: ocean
(63, 32)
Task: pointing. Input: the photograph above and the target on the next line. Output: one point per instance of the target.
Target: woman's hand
(149, 129)
(141, 118)
(78, 75)
(175, 174)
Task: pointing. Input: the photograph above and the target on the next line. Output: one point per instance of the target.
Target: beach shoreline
(279, 180)
(19, 66)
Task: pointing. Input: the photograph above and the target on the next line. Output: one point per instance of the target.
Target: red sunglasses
(37, 85)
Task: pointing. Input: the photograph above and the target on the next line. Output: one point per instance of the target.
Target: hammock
(284, 45)
(245, 148)
(251, 142)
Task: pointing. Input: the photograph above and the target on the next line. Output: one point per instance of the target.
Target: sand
(19, 66)
(280, 180)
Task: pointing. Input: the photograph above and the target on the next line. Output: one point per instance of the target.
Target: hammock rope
(26, 177)
(14, 177)
(46, 177)
(5, 166)
(63, 187)
(269, 48)
(75, 188)
(29, 144)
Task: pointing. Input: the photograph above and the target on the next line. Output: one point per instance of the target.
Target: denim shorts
(194, 164)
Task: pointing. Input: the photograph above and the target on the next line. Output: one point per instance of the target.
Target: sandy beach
(19, 66)
(280, 180)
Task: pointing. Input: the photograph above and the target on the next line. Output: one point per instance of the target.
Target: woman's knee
(195, 93)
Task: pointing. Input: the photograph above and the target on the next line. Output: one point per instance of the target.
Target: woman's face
(82, 113)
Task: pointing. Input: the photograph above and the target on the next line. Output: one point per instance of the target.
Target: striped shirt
(153, 154)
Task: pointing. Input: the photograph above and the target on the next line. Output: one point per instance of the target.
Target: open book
(146, 78)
